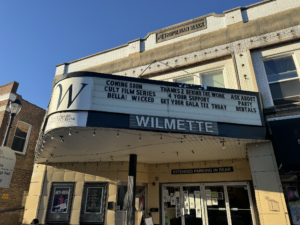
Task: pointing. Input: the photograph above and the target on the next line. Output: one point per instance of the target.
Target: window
(283, 79)
(212, 79)
(186, 80)
(21, 137)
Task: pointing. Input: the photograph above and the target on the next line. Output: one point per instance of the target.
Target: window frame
(198, 76)
(187, 76)
(204, 73)
(27, 137)
(272, 57)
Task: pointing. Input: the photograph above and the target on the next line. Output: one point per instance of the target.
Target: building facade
(22, 139)
(178, 123)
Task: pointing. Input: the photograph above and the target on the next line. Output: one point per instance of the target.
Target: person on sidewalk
(35, 222)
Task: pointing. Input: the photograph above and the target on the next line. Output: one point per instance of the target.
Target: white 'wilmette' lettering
(142, 120)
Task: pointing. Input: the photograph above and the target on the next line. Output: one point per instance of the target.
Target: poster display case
(60, 203)
(93, 204)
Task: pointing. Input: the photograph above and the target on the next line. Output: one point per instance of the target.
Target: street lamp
(14, 109)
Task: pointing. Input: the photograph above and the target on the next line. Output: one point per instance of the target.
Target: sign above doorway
(204, 170)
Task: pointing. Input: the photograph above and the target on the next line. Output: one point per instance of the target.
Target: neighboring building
(199, 125)
(278, 68)
(22, 139)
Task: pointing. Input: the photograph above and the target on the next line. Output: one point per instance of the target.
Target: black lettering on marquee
(70, 90)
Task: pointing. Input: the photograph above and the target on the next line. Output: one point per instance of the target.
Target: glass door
(228, 204)
(171, 205)
(192, 205)
(216, 205)
(240, 209)
(182, 204)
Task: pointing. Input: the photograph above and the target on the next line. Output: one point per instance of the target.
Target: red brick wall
(20, 182)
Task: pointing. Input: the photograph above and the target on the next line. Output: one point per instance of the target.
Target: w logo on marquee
(70, 91)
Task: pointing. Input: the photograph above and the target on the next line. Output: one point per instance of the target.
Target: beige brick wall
(267, 184)
(80, 173)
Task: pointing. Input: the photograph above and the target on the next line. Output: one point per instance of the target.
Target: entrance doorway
(207, 204)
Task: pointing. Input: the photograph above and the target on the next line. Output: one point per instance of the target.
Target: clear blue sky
(37, 35)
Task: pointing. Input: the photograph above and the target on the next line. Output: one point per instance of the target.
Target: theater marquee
(185, 107)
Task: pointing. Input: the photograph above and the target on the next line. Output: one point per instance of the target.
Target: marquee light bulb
(70, 133)
(223, 145)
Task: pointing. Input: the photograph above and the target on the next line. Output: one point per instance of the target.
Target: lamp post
(14, 109)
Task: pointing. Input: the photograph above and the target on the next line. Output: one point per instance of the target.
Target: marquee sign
(173, 124)
(157, 99)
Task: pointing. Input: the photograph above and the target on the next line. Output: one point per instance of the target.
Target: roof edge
(256, 4)
(169, 28)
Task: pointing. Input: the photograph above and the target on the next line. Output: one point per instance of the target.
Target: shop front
(120, 150)
(208, 203)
